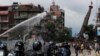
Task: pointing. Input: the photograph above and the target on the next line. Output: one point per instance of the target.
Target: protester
(76, 48)
(81, 48)
(50, 51)
(97, 48)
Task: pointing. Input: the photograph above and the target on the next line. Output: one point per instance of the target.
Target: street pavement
(85, 53)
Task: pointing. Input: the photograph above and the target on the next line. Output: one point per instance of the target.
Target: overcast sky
(75, 10)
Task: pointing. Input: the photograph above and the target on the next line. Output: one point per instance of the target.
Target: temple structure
(57, 13)
(86, 19)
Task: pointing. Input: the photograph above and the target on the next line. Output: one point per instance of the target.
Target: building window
(0, 19)
(0, 26)
(4, 19)
(18, 21)
(6, 35)
(31, 15)
(4, 26)
(16, 15)
(23, 15)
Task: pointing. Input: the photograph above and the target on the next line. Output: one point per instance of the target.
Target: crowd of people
(61, 49)
(88, 46)
(36, 47)
(49, 49)
(53, 49)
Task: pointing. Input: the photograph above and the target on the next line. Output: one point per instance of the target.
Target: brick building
(5, 19)
(57, 13)
(16, 13)
(24, 11)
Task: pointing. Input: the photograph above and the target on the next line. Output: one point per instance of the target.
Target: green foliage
(90, 31)
(55, 31)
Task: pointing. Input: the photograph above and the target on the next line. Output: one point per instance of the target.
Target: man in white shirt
(30, 41)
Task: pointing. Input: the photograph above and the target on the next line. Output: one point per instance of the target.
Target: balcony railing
(5, 28)
(4, 20)
(6, 35)
(98, 23)
(20, 17)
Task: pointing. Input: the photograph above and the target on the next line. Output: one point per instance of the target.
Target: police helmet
(19, 45)
(37, 45)
(3, 46)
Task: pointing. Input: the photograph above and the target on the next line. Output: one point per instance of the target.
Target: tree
(53, 30)
(90, 31)
(63, 34)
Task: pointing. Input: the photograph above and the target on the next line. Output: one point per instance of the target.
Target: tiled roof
(23, 8)
(4, 6)
(27, 7)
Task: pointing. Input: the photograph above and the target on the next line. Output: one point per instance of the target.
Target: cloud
(73, 19)
(76, 11)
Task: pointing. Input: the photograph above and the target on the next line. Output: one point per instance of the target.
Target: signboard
(98, 31)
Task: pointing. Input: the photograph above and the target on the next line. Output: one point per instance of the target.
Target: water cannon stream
(34, 20)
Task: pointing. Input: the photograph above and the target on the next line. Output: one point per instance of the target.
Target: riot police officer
(37, 46)
(65, 49)
(3, 48)
(19, 49)
(51, 49)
